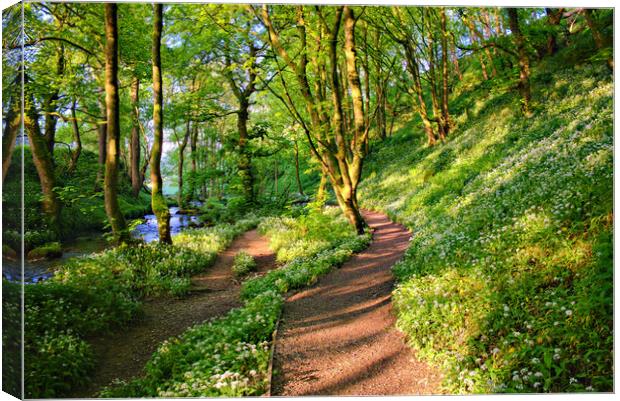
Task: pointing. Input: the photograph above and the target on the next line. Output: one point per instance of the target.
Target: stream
(38, 270)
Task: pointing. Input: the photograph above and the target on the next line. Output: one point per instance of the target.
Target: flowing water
(35, 271)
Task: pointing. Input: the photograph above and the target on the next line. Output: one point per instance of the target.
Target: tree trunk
(158, 202)
(444, 73)
(134, 145)
(182, 146)
(193, 143)
(76, 138)
(43, 163)
(596, 34)
(51, 106)
(433, 84)
(275, 177)
(12, 125)
(321, 193)
(360, 131)
(412, 66)
(554, 16)
(244, 164)
(455, 59)
(340, 151)
(524, 62)
(110, 181)
(102, 132)
(299, 187)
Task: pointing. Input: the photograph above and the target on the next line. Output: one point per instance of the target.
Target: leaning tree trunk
(12, 125)
(158, 202)
(43, 164)
(412, 66)
(524, 61)
(134, 145)
(110, 180)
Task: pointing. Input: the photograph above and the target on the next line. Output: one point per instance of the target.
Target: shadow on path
(338, 337)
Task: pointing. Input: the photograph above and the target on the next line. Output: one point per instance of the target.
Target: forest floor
(123, 354)
(338, 337)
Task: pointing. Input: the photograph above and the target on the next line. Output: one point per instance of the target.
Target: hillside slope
(507, 283)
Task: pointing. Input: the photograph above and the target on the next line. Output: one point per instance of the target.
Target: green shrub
(243, 264)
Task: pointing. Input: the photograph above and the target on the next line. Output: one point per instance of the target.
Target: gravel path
(338, 337)
(123, 354)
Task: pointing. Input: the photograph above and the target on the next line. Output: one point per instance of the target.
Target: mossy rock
(48, 251)
(8, 252)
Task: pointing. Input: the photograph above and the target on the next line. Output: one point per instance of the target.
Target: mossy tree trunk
(158, 202)
(243, 95)
(110, 181)
(102, 132)
(13, 121)
(445, 111)
(51, 105)
(42, 162)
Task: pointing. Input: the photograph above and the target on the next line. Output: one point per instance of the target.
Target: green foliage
(82, 205)
(243, 264)
(59, 361)
(311, 232)
(92, 294)
(229, 356)
(507, 284)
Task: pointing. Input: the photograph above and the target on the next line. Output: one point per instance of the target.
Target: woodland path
(123, 354)
(338, 337)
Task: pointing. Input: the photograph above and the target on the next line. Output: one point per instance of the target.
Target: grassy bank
(507, 284)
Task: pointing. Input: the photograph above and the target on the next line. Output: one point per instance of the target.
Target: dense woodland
(460, 123)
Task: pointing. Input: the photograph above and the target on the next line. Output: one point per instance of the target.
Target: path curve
(123, 354)
(338, 337)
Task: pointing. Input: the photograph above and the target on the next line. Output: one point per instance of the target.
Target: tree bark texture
(158, 201)
(110, 181)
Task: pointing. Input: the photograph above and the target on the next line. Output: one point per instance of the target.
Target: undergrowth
(92, 294)
(229, 356)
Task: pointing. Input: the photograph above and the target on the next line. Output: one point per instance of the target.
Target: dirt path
(124, 354)
(338, 337)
